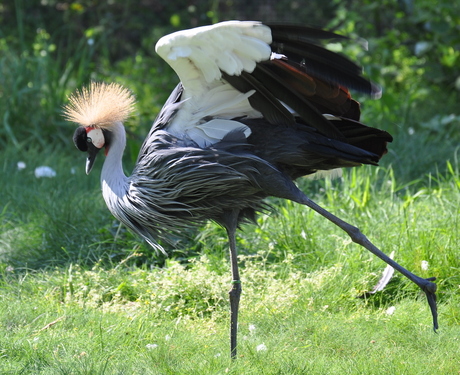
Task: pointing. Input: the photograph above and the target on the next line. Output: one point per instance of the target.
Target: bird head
(97, 108)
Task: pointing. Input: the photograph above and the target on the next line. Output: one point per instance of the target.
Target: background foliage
(50, 47)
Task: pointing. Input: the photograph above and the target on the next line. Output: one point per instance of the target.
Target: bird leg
(235, 292)
(355, 234)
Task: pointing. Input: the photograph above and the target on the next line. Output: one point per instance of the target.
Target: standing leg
(235, 292)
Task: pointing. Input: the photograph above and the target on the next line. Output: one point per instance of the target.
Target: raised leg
(355, 234)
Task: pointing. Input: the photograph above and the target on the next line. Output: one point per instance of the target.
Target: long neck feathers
(113, 180)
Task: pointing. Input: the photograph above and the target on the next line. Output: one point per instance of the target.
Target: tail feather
(365, 137)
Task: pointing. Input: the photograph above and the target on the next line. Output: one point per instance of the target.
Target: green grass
(49, 330)
(80, 296)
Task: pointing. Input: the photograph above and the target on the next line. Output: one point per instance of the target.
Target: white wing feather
(199, 56)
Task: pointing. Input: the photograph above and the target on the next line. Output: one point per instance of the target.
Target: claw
(430, 290)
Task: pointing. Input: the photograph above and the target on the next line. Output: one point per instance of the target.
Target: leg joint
(355, 234)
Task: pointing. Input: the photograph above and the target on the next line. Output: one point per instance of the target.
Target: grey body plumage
(177, 184)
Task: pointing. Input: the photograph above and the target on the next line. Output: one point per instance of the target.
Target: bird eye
(89, 140)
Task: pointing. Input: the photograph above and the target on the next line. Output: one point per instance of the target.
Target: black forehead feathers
(80, 139)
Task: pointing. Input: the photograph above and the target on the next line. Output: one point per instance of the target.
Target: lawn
(77, 300)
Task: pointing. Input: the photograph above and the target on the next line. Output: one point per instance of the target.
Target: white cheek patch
(97, 137)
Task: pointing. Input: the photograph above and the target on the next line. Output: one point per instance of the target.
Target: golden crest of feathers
(100, 105)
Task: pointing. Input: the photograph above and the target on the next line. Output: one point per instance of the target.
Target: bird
(257, 107)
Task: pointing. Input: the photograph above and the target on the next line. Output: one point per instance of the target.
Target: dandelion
(261, 348)
(390, 310)
(425, 265)
(151, 346)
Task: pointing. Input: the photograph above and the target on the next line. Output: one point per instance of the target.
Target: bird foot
(430, 290)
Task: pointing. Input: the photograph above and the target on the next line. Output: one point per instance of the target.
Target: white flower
(425, 265)
(151, 346)
(21, 165)
(261, 348)
(390, 310)
(252, 329)
(44, 171)
(167, 337)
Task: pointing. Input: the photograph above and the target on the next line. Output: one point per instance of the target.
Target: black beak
(92, 153)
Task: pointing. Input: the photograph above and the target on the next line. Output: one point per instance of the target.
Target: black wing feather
(303, 107)
(297, 32)
(262, 100)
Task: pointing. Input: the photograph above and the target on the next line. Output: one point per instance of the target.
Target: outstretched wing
(200, 56)
(240, 69)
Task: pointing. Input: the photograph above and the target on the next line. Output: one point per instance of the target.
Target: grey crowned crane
(256, 108)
